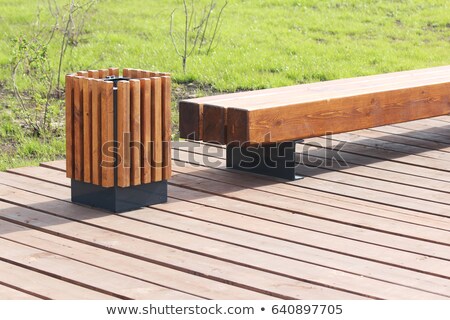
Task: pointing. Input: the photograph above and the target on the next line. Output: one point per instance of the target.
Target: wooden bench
(297, 112)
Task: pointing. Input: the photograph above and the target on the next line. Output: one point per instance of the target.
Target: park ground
(261, 44)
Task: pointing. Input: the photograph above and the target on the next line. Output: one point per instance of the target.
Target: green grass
(263, 43)
(19, 149)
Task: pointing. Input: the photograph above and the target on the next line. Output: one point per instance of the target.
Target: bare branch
(211, 7)
(216, 28)
(171, 34)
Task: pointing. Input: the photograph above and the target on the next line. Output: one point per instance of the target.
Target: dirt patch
(192, 90)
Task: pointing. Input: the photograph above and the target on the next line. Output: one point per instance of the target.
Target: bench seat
(311, 110)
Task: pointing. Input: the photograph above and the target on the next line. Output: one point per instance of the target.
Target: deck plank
(160, 232)
(121, 286)
(377, 229)
(44, 286)
(223, 271)
(120, 263)
(368, 222)
(7, 293)
(218, 251)
(388, 188)
(317, 192)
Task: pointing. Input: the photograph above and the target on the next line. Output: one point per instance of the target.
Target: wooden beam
(156, 129)
(113, 72)
(69, 127)
(107, 115)
(214, 124)
(191, 120)
(146, 174)
(338, 114)
(96, 132)
(78, 127)
(135, 129)
(123, 133)
(166, 126)
(87, 128)
(193, 111)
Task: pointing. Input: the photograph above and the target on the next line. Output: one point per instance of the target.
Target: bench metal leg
(276, 160)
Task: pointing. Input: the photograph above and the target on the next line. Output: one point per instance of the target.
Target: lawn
(262, 44)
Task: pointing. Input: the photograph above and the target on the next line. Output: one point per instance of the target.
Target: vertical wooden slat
(82, 73)
(107, 108)
(133, 73)
(135, 128)
(156, 129)
(103, 73)
(93, 74)
(78, 126)
(69, 127)
(113, 72)
(96, 132)
(142, 74)
(87, 127)
(146, 172)
(123, 133)
(145, 74)
(166, 127)
(126, 72)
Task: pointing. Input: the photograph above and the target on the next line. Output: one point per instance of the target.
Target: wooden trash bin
(118, 132)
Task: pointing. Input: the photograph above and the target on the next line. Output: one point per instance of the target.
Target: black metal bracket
(274, 159)
(117, 199)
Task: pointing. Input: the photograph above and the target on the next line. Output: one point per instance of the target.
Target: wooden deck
(378, 228)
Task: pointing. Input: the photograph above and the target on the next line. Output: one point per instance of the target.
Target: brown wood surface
(351, 231)
(119, 286)
(93, 74)
(146, 174)
(42, 286)
(123, 133)
(11, 293)
(107, 114)
(423, 226)
(214, 124)
(156, 129)
(298, 96)
(103, 73)
(96, 132)
(191, 120)
(248, 240)
(126, 72)
(134, 73)
(70, 126)
(166, 126)
(317, 118)
(197, 286)
(78, 127)
(194, 263)
(135, 129)
(256, 260)
(87, 129)
(113, 72)
(82, 73)
(243, 97)
(341, 195)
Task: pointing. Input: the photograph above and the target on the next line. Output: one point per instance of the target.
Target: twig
(216, 27)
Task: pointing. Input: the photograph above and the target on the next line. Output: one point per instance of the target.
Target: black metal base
(117, 199)
(276, 160)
